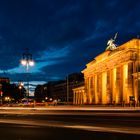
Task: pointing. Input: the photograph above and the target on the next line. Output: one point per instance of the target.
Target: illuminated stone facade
(79, 96)
(113, 76)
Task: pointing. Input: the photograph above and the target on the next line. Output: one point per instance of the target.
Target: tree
(13, 91)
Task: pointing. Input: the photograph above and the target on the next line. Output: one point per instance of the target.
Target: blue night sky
(62, 35)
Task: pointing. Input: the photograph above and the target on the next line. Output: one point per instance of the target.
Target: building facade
(61, 90)
(64, 90)
(113, 77)
(79, 96)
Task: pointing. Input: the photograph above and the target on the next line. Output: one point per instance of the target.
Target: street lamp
(27, 61)
(20, 86)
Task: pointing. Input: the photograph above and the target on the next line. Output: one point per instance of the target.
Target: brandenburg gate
(113, 77)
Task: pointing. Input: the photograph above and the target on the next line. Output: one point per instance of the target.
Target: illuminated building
(113, 77)
(79, 96)
(4, 80)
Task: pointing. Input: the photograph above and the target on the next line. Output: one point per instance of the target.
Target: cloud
(54, 53)
(61, 35)
(51, 57)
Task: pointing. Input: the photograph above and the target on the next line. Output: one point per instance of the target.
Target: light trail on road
(125, 121)
(126, 130)
(74, 108)
(73, 111)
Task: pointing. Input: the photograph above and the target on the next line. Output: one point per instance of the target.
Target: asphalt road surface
(29, 132)
(69, 124)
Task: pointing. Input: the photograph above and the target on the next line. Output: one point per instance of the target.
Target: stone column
(89, 91)
(135, 82)
(104, 84)
(80, 98)
(125, 83)
(76, 98)
(130, 80)
(136, 88)
(84, 96)
(114, 85)
(86, 90)
(95, 89)
(73, 97)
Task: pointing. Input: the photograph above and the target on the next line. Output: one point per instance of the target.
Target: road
(29, 132)
(56, 123)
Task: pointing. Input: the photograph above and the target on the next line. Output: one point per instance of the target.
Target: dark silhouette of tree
(13, 91)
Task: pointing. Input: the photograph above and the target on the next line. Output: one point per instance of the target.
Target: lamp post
(27, 61)
(20, 86)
